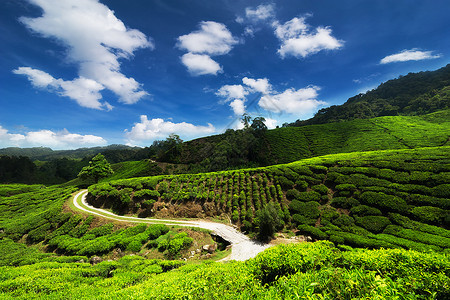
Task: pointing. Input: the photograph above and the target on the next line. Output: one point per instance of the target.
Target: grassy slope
(400, 132)
(390, 198)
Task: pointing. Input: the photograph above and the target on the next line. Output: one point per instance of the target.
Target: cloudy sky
(81, 73)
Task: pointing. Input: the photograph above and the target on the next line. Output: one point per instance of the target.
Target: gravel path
(242, 247)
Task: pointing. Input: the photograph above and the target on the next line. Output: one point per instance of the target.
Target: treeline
(117, 153)
(21, 169)
(413, 94)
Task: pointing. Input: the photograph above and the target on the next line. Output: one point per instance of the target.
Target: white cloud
(261, 85)
(298, 40)
(260, 13)
(149, 130)
(231, 92)
(200, 64)
(211, 39)
(86, 92)
(292, 101)
(271, 123)
(56, 140)
(95, 40)
(407, 55)
(238, 106)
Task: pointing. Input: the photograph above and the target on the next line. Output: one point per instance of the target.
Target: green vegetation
(98, 168)
(303, 271)
(33, 216)
(413, 94)
(353, 199)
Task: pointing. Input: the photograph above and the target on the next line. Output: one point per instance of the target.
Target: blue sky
(81, 73)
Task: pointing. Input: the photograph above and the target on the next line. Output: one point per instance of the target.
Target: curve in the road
(242, 247)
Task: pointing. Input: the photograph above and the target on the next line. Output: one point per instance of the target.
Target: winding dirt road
(242, 247)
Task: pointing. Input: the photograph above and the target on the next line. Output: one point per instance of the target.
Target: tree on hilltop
(98, 168)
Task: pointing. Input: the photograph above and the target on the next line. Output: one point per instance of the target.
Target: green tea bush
(417, 236)
(146, 193)
(314, 232)
(442, 191)
(374, 224)
(344, 202)
(343, 220)
(383, 201)
(285, 260)
(364, 210)
(429, 214)
(321, 189)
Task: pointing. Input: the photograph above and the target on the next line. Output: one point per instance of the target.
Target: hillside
(396, 199)
(235, 149)
(412, 94)
(389, 199)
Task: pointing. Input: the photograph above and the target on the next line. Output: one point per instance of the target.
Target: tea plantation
(380, 199)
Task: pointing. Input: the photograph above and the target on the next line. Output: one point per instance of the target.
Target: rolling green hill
(413, 94)
(389, 199)
(236, 149)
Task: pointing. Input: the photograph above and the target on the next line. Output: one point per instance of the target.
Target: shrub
(292, 194)
(321, 189)
(309, 196)
(442, 191)
(343, 202)
(343, 220)
(301, 185)
(146, 193)
(267, 221)
(364, 210)
(429, 214)
(134, 246)
(314, 232)
(329, 213)
(285, 183)
(387, 202)
(374, 224)
(346, 187)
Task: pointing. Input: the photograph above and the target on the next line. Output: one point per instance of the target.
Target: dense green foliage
(353, 199)
(33, 214)
(98, 168)
(413, 94)
(302, 271)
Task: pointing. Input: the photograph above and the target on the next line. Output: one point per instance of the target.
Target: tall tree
(98, 168)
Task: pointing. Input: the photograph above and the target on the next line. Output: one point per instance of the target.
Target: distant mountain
(45, 154)
(413, 94)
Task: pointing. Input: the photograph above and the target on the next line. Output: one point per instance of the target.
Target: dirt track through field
(242, 247)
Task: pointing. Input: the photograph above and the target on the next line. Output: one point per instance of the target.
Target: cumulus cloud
(86, 92)
(210, 39)
(56, 140)
(95, 40)
(238, 106)
(236, 95)
(200, 64)
(148, 130)
(298, 40)
(292, 101)
(407, 55)
(230, 92)
(261, 85)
